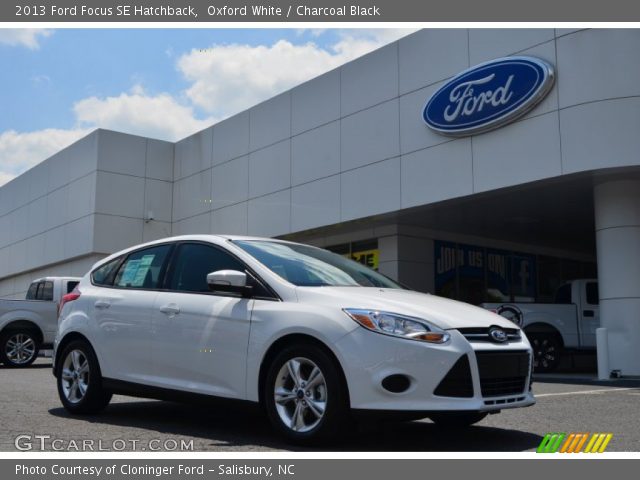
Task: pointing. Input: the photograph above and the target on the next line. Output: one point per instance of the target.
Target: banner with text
(317, 11)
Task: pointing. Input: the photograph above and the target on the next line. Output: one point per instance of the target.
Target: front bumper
(368, 358)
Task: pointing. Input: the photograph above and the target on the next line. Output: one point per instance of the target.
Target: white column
(617, 218)
(409, 260)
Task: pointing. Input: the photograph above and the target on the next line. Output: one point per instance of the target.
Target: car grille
(503, 373)
(457, 382)
(482, 334)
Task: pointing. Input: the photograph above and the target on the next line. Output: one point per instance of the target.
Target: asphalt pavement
(32, 418)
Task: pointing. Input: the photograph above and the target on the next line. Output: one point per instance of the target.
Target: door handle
(102, 304)
(587, 313)
(171, 309)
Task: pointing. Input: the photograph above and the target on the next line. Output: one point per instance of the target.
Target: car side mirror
(229, 281)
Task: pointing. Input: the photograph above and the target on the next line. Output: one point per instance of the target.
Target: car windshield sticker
(129, 272)
(135, 271)
(143, 269)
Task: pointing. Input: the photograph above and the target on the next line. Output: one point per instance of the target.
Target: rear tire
(79, 379)
(456, 419)
(19, 348)
(546, 351)
(304, 396)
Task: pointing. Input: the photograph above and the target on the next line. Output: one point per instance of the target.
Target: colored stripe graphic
(568, 443)
(599, 440)
(581, 443)
(573, 442)
(577, 439)
(556, 445)
(550, 443)
(591, 442)
(607, 439)
(543, 444)
(598, 443)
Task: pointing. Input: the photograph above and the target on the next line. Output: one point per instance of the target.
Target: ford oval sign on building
(488, 96)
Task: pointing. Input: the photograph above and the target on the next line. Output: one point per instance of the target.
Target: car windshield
(306, 266)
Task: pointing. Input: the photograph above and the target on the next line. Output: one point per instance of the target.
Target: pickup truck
(569, 322)
(28, 325)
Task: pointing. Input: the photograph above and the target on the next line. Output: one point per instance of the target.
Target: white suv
(310, 335)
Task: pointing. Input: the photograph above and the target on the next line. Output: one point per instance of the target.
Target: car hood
(442, 312)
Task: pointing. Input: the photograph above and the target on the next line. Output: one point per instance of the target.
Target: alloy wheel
(545, 353)
(300, 394)
(75, 376)
(20, 348)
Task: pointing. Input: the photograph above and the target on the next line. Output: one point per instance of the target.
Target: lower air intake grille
(457, 383)
(503, 373)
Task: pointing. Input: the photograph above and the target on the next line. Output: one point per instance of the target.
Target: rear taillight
(69, 297)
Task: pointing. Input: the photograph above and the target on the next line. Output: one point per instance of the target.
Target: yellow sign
(367, 257)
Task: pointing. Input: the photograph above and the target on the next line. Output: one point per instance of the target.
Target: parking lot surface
(30, 411)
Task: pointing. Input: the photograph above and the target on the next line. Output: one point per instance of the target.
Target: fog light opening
(396, 383)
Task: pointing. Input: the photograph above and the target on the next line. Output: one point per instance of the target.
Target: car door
(123, 310)
(589, 314)
(199, 339)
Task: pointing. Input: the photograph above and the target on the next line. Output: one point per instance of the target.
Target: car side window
(592, 293)
(71, 285)
(563, 294)
(194, 261)
(39, 290)
(47, 291)
(31, 293)
(142, 269)
(103, 276)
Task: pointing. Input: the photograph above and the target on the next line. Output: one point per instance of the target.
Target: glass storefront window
(476, 274)
(365, 252)
(447, 257)
(523, 277)
(550, 278)
(498, 276)
(342, 249)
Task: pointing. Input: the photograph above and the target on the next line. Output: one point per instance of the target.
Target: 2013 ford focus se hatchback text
(310, 335)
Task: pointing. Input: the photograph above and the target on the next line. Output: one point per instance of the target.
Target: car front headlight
(398, 325)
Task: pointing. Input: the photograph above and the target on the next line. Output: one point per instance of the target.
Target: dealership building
(348, 161)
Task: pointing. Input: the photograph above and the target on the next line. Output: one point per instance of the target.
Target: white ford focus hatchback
(310, 335)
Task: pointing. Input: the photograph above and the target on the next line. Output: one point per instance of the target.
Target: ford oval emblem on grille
(488, 95)
(498, 335)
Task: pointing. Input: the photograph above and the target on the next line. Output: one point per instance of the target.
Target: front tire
(456, 419)
(546, 351)
(304, 395)
(19, 348)
(79, 379)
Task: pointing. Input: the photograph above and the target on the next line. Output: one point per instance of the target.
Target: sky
(58, 85)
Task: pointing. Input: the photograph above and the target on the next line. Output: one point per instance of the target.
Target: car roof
(182, 238)
(52, 277)
(205, 237)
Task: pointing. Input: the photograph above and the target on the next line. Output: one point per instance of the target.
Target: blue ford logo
(488, 95)
(498, 335)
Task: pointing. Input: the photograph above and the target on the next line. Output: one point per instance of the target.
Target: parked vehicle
(28, 325)
(569, 322)
(310, 335)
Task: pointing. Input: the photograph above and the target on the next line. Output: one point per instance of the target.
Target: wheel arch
(292, 339)
(542, 327)
(66, 340)
(23, 324)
